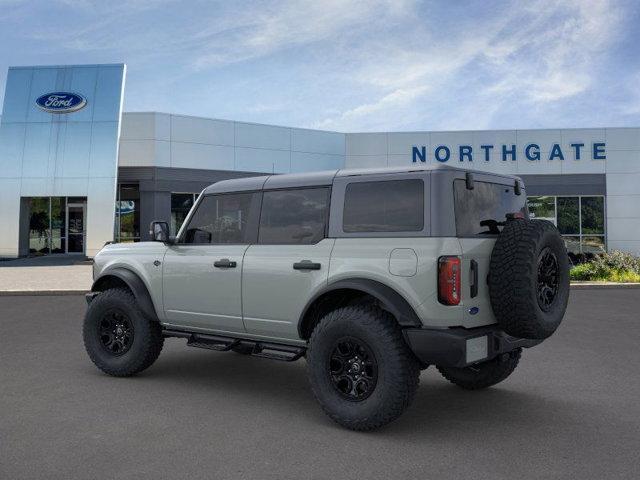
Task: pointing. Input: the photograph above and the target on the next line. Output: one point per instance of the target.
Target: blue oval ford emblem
(61, 102)
(474, 310)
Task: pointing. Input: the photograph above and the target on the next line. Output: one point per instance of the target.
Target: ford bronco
(370, 275)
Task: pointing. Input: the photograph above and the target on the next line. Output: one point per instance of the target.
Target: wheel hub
(116, 333)
(547, 280)
(353, 369)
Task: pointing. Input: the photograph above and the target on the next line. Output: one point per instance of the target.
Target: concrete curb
(22, 293)
(601, 285)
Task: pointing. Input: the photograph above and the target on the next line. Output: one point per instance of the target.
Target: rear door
(203, 270)
(480, 215)
(289, 262)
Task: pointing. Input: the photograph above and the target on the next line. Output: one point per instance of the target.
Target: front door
(202, 272)
(76, 230)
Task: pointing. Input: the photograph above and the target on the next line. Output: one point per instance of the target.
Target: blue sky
(349, 65)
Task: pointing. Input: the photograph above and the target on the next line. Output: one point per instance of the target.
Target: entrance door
(76, 216)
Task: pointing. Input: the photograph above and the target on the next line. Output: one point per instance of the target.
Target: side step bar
(275, 351)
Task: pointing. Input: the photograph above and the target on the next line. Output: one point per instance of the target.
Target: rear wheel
(483, 375)
(360, 369)
(119, 339)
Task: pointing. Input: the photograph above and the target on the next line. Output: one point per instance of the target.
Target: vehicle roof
(289, 180)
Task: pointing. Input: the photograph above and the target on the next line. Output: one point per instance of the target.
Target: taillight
(449, 280)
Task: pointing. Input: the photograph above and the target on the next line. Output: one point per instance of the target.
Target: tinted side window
(483, 210)
(386, 206)
(221, 219)
(297, 216)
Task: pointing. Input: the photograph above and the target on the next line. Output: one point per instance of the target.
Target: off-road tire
(398, 371)
(514, 278)
(147, 334)
(485, 374)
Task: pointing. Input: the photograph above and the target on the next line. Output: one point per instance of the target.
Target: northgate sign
(531, 152)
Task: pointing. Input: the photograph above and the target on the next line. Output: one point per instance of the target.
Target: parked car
(371, 275)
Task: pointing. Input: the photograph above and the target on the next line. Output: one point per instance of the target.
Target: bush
(614, 266)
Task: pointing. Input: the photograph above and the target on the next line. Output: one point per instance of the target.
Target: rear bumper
(460, 347)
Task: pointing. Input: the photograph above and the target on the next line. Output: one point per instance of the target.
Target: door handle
(474, 279)
(224, 263)
(306, 265)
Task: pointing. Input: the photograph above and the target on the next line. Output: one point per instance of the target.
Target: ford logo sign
(61, 102)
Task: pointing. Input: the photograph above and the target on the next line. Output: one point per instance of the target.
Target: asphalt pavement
(570, 411)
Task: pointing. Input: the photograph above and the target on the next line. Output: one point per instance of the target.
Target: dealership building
(76, 171)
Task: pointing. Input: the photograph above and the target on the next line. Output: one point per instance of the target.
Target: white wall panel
(201, 130)
(623, 161)
(262, 160)
(198, 155)
(366, 161)
(139, 126)
(623, 206)
(400, 143)
(313, 162)
(623, 229)
(623, 184)
(366, 144)
(262, 136)
(400, 160)
(139, 153)
(623, 138)
(313, 141)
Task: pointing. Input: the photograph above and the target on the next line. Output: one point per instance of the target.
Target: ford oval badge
(474, 310)
(61, 102)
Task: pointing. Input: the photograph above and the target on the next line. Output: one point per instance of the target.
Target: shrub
(614, 266)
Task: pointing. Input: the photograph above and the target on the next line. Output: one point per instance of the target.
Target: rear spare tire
(529, 278)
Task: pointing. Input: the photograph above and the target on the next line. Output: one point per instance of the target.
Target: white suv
(371, 275)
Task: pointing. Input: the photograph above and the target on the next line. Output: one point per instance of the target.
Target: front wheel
(483, 375)
(360, 369)
(118, 337)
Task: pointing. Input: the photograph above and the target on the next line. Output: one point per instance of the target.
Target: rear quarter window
(384, 206)
(483, 210)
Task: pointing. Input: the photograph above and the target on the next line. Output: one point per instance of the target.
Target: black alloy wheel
(548, 270)
(353, 369)
(116, 333)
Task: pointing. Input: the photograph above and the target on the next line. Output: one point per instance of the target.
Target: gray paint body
(264, 297)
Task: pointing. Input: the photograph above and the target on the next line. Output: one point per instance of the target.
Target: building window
(56, 225)
(580, 220)
(127, 225)
(181, 203)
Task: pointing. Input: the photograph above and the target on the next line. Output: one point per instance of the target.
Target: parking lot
(571, 409)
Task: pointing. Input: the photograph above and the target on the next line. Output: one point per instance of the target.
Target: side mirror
(159, 231)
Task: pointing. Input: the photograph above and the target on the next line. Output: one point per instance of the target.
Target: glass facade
(57, 225)
(127, 224)
(181, 203)
(580, 219)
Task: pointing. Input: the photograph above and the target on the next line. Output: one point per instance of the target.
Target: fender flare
(389, 299)
(135, 284)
